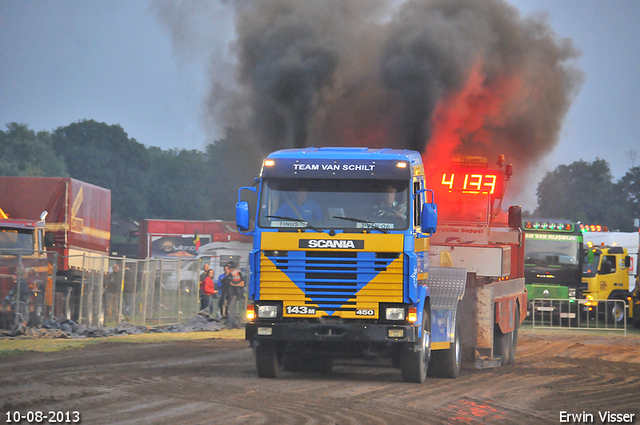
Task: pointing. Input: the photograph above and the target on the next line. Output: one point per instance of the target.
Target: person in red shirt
(207, 290)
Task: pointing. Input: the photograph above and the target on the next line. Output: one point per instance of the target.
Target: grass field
(15, 346)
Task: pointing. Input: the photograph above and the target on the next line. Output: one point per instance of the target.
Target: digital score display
(472, 182)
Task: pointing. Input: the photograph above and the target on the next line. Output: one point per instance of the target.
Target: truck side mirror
(515, 216)
(48, 240)
(242, 216)
(242, 212)
(429, 218)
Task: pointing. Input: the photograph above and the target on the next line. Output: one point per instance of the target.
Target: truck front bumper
(338, 332)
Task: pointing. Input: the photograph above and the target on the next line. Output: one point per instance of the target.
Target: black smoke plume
(438, 76)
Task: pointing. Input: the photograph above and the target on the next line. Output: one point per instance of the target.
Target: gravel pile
(51, 328)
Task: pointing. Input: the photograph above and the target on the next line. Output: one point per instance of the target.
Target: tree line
(149, 182)
(145, 182)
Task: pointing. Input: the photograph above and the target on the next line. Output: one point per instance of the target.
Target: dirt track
(214, 381)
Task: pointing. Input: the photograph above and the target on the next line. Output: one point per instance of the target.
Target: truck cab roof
(414, 157)
(20, 224)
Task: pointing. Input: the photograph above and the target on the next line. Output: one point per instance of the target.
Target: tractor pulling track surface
(215, 381)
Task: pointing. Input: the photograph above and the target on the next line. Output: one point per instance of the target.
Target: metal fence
(99, 290)
(556, 313)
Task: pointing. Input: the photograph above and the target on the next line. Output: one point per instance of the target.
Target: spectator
(222, 291)
(207, 290)
(114, 286)
(205, 272)
(128, 293)
(22, 288)
(236, 285)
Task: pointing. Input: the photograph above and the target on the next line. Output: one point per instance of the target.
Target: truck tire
(615, 312)
(414, 360)
(70, 305)
(268, 360)
(502, 343)
(514, 338)
(447, 363)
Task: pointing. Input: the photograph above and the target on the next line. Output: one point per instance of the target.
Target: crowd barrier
(100, 290)
(556, 313)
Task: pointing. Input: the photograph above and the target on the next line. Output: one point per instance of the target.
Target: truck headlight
(395, 313)
(267, 311)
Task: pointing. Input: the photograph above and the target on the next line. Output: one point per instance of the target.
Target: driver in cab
(390, 207)
(300, 207)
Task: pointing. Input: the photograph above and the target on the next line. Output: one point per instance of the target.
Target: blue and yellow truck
(343, 265)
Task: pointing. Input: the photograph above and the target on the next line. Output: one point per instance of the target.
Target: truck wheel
(414, 360)
(502, 343)
(514, 338)
(70, 305)
(615, 313)
(268, 360)
(447, 363)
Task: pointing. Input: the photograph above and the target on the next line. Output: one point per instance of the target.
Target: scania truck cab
(340, 267)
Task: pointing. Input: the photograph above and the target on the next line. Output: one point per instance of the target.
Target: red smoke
(462, 122)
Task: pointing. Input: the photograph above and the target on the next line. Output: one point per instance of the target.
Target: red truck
(70, 241)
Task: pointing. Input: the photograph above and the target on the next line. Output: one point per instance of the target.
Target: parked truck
(628, 240)
(53, 226)
(553, 267)
(605, 276)
(349, 260)
(565, 260)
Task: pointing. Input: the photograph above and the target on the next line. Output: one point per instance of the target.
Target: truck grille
(330, 280)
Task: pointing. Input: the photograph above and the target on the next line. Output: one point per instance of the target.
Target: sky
(117, 62)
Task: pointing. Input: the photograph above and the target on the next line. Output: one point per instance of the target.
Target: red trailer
(77, 228)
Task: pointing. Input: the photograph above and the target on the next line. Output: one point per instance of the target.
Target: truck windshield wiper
(306, 224)
(357, 220)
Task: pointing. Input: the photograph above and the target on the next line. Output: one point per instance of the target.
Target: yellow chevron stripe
(385, 287)
(84, 230)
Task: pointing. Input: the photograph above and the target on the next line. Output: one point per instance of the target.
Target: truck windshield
(590, 268)
(552, 254)
(16, 239)
(315, 203)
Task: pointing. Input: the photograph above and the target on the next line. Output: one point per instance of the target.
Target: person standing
(236, 286)
(222, 288)
(207, 290)
(114, 286)
(205, 272)
(128, 294)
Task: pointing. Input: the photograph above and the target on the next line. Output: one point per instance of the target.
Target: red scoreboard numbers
(471, 182)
